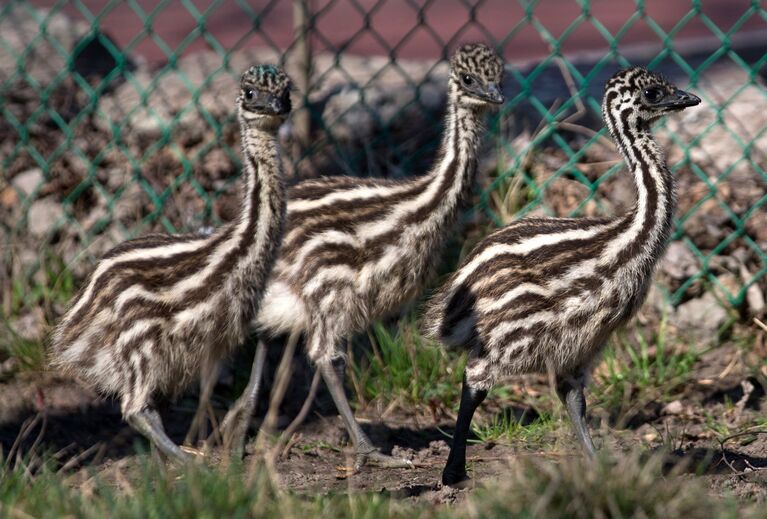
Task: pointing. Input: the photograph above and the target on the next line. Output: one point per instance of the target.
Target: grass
(629, 487)
(723, 427)
(505, 427)
(638, 367)
(29, 353)
(52, 283)
(404, 369)
(317, 445)
(404, 366)
(197, 491)
(49, 287)
(568, 487)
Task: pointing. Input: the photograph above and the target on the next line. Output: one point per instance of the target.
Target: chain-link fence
(117, 119)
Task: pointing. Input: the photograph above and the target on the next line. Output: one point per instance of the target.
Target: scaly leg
(148, 423)
(207, 384)
(364, 449)
(570, 391)
(455, 468)
(279, 388)
(234, 427)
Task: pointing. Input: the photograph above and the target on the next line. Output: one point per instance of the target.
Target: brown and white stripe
(543, 295)
(358, 249)
(159, 307)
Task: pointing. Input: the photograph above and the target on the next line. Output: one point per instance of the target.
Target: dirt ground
(85, 433)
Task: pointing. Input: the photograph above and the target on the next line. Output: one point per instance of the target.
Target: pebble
(700, 318)
(28, 180)
(42, 216)
(673, 408)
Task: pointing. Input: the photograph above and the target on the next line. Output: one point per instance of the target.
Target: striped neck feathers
(456, 167)
(651, 216)
(263, 171)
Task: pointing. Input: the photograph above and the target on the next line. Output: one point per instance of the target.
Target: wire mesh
(117, 118)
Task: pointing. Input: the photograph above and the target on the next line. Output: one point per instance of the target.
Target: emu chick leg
(455, 468)
(234, 427)
(207, 385)
(364, 449)
(148, 423)
(570, 391)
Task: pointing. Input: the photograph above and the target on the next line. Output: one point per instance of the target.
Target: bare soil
(86, 433)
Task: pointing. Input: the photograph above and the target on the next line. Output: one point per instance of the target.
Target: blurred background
(117, 119)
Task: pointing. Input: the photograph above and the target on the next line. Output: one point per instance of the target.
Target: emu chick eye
(249, 93)
(653, 94)
(467, 80)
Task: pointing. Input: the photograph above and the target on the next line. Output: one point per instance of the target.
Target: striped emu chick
(358, 249)
(159, 308)
(544, 294)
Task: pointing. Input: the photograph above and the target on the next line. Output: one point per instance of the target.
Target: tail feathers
(63, 354)
(55, 349)
(431, 322)
(450, 317)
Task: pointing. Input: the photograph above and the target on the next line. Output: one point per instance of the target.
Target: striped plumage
(358, 249)
(544, 294)
(159, 308)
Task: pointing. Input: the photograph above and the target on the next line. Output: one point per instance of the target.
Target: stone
(30, 325)
(564, 195)
(754, 294)
(42, 216)
(28, 180)
(679, 262)
(217, 164)
(699, 318)
(351, 113)
(9, 197)
(42, 56)
(95, 217)
(673, 408)
(127, 208)
(756, 226)
(619, 192)
(168, 102)
(709, 225)
(9, 367)
(656, 302)
(728, 286)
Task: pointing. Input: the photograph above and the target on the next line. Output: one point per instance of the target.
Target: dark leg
(455, 468)
(364, 449)
(570, 391)
(148, 423)
(234, 427)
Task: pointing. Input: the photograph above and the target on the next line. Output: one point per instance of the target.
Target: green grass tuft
(507, 428)
(196, 491)
(44, 290)
(406, 366)
(635, 372)
(575, 488)
(51, 284)
(30, 354)
(569, 487)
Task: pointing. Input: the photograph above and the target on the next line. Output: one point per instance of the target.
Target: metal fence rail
(116, 118)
